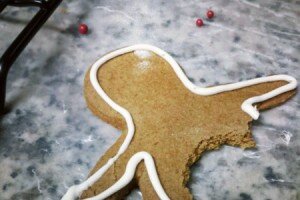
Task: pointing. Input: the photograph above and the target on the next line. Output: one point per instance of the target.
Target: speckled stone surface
(49, 140)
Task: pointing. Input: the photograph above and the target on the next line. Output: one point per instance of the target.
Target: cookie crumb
(144, 65)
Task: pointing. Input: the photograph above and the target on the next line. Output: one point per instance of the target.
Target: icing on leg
(129, 175)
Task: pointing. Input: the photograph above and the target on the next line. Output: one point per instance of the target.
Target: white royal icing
(142, 54)
(143, 51)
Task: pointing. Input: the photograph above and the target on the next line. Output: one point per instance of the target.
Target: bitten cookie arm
(240, 122)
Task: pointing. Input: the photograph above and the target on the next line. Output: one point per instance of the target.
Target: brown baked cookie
(171, 123)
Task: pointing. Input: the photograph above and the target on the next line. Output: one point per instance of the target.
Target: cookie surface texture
(174, 125)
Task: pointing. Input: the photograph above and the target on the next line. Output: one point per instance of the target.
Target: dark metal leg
(2, 6)
(18, 45)
(3, 77)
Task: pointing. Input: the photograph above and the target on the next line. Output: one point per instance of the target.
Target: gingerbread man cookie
(167, 122)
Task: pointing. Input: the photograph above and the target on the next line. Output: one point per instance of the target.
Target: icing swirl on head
(142, 50)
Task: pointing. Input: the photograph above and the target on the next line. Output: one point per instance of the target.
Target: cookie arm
(263, 96)
(255, 91)
(269, 99)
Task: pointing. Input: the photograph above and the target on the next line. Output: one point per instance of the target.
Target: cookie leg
(107, 180)
(110, 177)
(147, 190)
(173, 187)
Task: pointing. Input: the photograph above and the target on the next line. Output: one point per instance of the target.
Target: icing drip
(142, 50)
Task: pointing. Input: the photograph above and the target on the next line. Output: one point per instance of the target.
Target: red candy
(210, 14)
(199, 22)
(83, 29)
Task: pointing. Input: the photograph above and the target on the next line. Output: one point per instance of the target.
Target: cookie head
(140, 81)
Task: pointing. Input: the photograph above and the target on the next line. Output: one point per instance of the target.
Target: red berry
(210, 14)
(83, 29)
(199, 22)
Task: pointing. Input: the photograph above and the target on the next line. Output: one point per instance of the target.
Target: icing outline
(247, 106)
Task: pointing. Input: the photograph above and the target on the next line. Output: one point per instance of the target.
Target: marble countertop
(49, 140)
